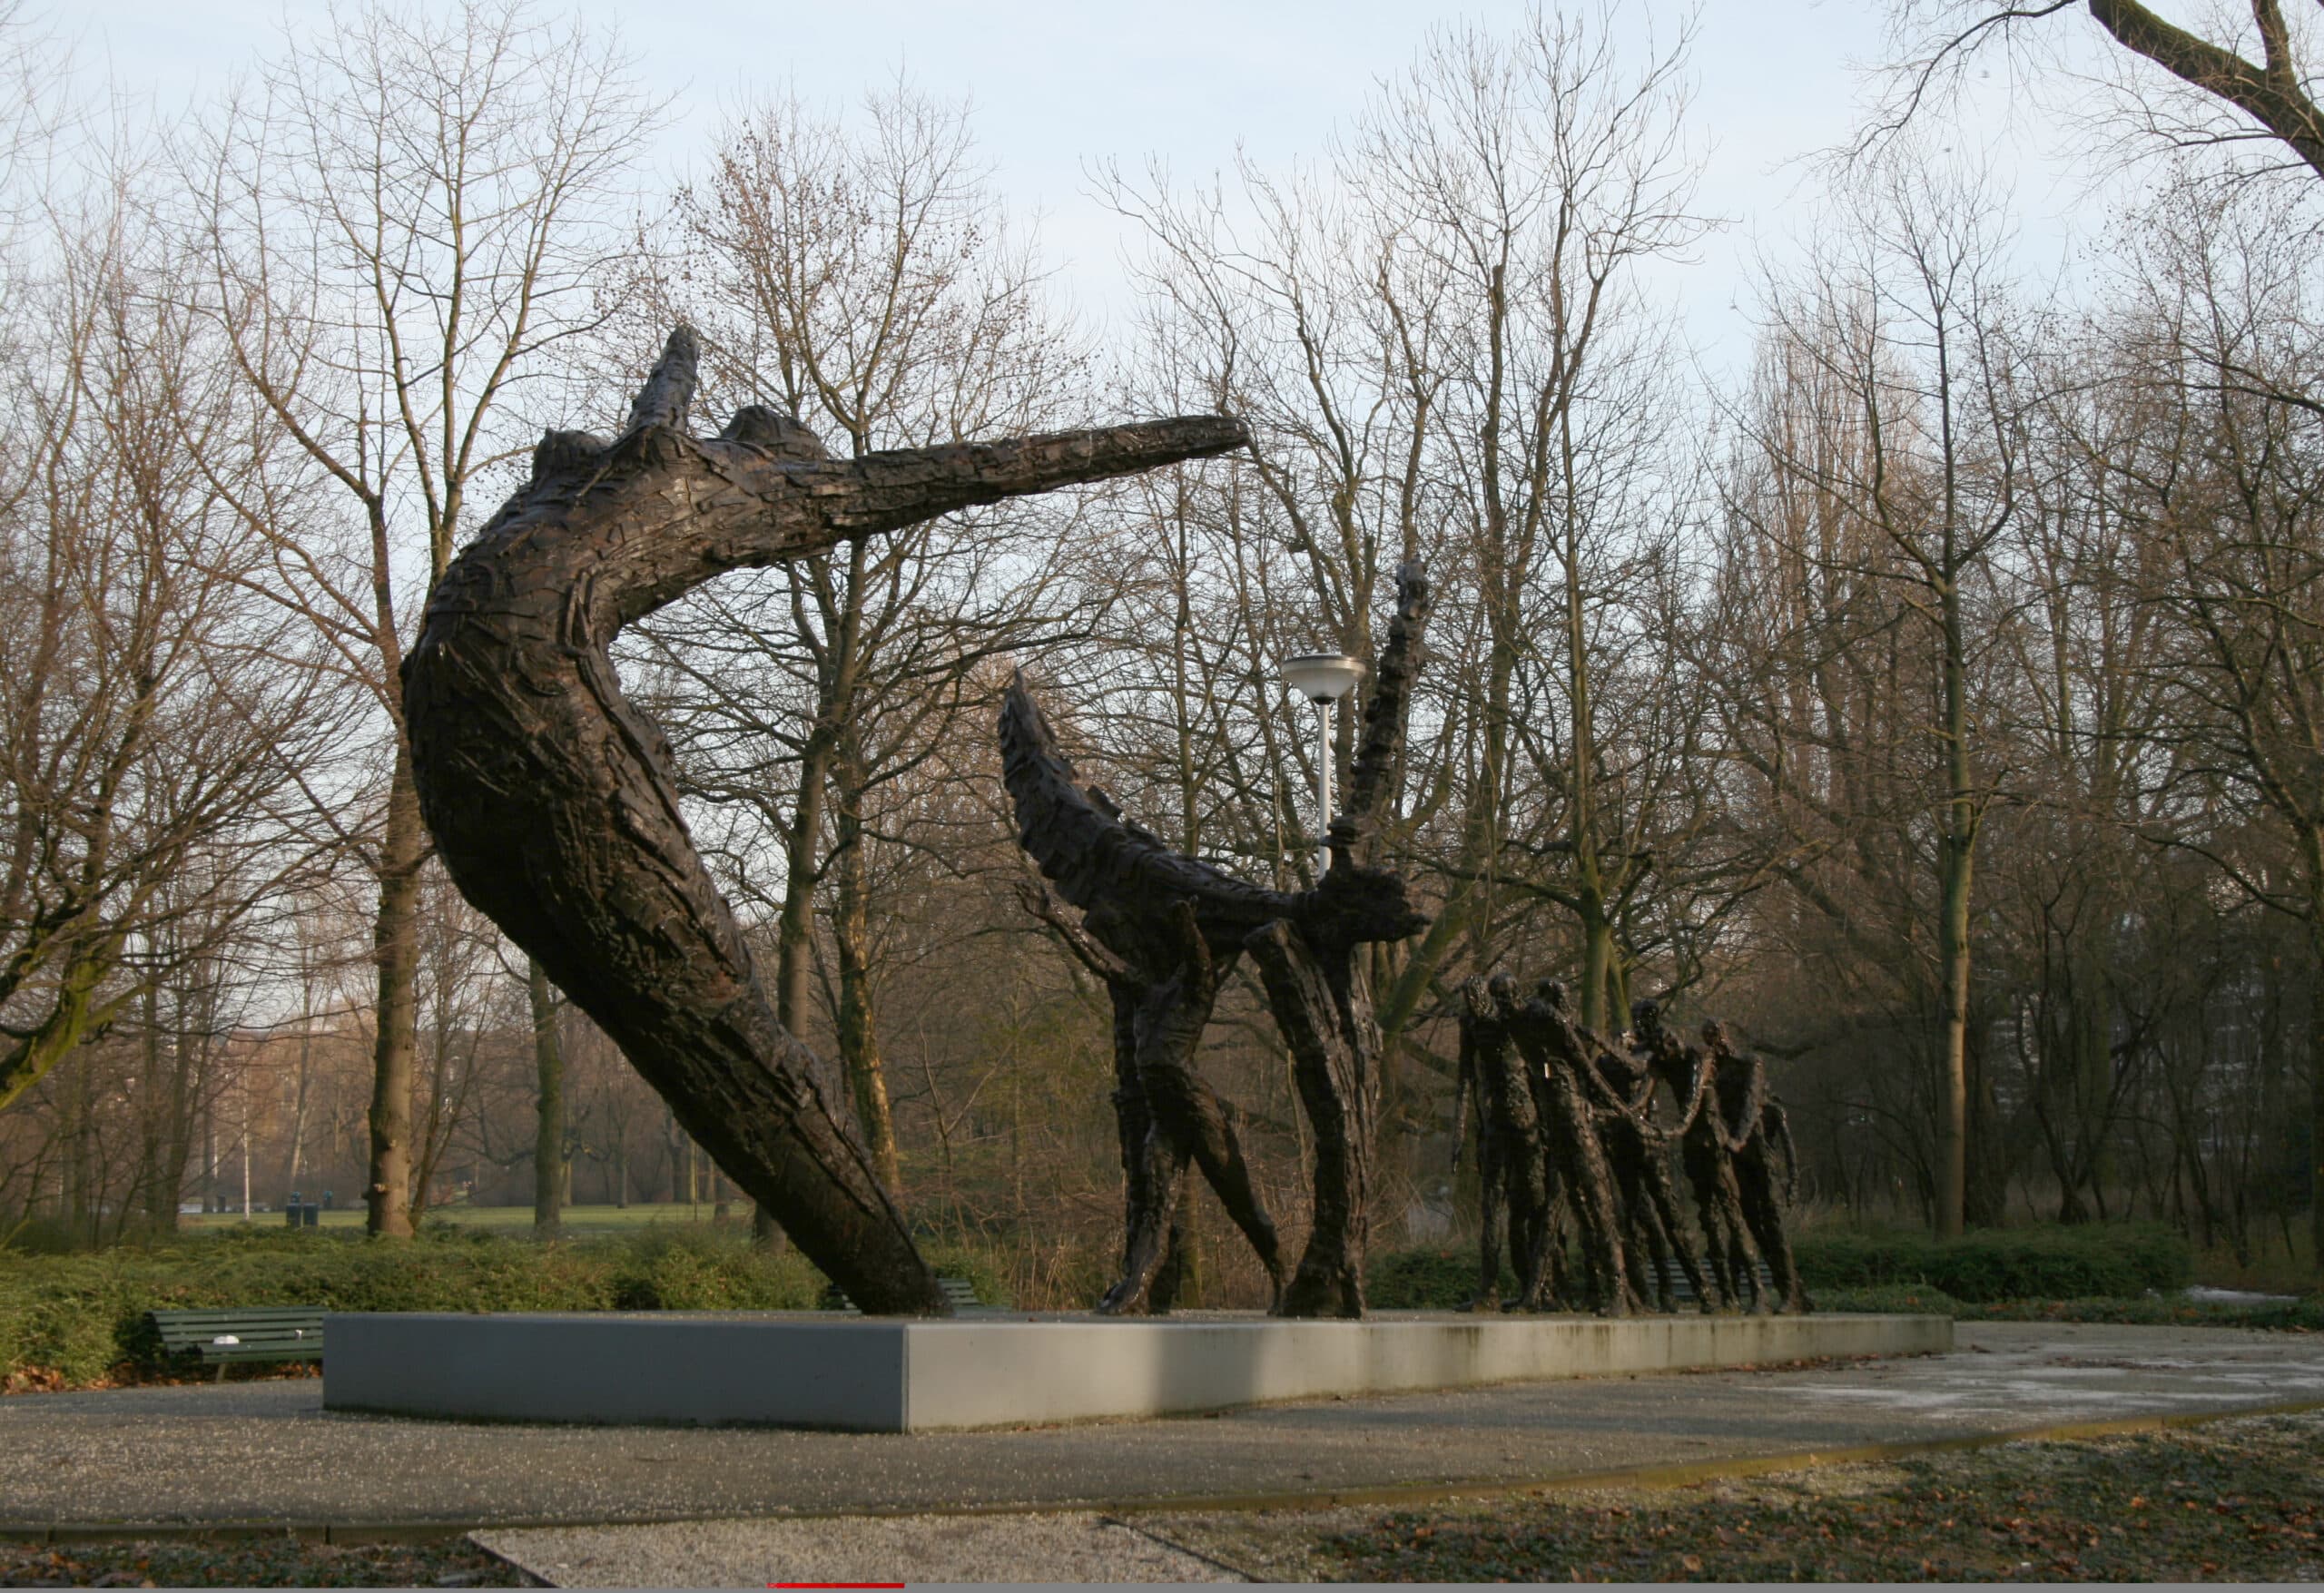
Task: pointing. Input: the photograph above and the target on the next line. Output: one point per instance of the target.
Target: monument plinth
(899, 1374)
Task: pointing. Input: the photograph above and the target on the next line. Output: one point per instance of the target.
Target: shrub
(1433, 1278)
(1889, 1297)
(687, 1269)
(2277, 1315)
(2113, 1261)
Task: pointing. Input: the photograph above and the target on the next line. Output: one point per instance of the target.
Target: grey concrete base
(893, 1375)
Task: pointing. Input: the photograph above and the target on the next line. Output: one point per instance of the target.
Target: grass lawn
(2241, 1500)
(579, 1219)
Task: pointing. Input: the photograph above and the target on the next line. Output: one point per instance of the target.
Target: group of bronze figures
(1575, 1161)
(554, 805)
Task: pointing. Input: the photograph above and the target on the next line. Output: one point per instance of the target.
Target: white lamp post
(1323, 678)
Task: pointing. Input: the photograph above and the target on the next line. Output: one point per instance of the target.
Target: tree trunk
(1596, 951)
(548, 1130)
(170, 1136)
(552, 799)
(765, 1232)
(1956, 860)
(795, 928)
(79, 1202)
(395, 942)
(2316, 1084)
(303, 1094)
(858, 1026)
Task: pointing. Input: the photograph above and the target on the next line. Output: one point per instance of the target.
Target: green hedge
(2115, 1261)
(2305, 1315)
(1883, 1270)
(1432, 1278)
(1890, 1297)
(79, 1316)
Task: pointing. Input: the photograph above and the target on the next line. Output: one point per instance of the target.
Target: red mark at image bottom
(836, 1584)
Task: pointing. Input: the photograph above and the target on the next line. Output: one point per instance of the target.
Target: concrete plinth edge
(893, 1375)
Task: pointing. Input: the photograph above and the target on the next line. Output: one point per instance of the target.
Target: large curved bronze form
(552, 799)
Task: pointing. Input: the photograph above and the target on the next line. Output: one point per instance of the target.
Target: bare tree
(2227, 481)
(2250, 86)
(1448, 344)
(403, 219)
(1895, 435)
(862, 279)
(149, 718)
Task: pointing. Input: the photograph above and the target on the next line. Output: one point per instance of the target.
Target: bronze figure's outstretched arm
(552, 800)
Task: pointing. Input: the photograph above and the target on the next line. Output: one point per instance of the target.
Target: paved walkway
(267, 1452)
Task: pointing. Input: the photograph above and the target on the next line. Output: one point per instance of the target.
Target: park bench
(1682, 1292)
(290, 1332)
(960, 1294)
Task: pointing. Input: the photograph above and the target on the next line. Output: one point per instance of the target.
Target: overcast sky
(1057, 87)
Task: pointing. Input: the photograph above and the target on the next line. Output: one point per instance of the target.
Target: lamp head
(1322, 677)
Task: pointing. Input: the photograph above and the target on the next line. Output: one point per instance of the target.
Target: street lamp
(1323, 678)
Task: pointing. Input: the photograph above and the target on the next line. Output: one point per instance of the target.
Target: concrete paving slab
(1076, 1545)
(268, 1452)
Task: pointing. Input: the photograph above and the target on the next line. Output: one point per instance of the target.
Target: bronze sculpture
(1592, 1147)
(551, 799)
(1172, 925)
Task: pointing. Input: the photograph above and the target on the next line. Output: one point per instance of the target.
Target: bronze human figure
(1512, 1167)
(1759, 1137)
(1176, 923)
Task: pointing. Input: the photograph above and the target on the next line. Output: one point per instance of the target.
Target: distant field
(579, 1218)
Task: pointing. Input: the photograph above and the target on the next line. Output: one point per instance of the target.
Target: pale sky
(1057, 87)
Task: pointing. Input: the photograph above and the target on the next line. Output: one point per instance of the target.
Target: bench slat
(958, 1293)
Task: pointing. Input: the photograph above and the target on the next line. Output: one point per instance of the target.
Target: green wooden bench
(1682, 1292)
(958, 1293)
(290, 1332)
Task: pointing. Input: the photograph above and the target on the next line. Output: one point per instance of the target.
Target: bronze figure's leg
(1572, 1136)
(1491, 1200)
(1196, 1123)
(1323, 1029)
(1664, 1198)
